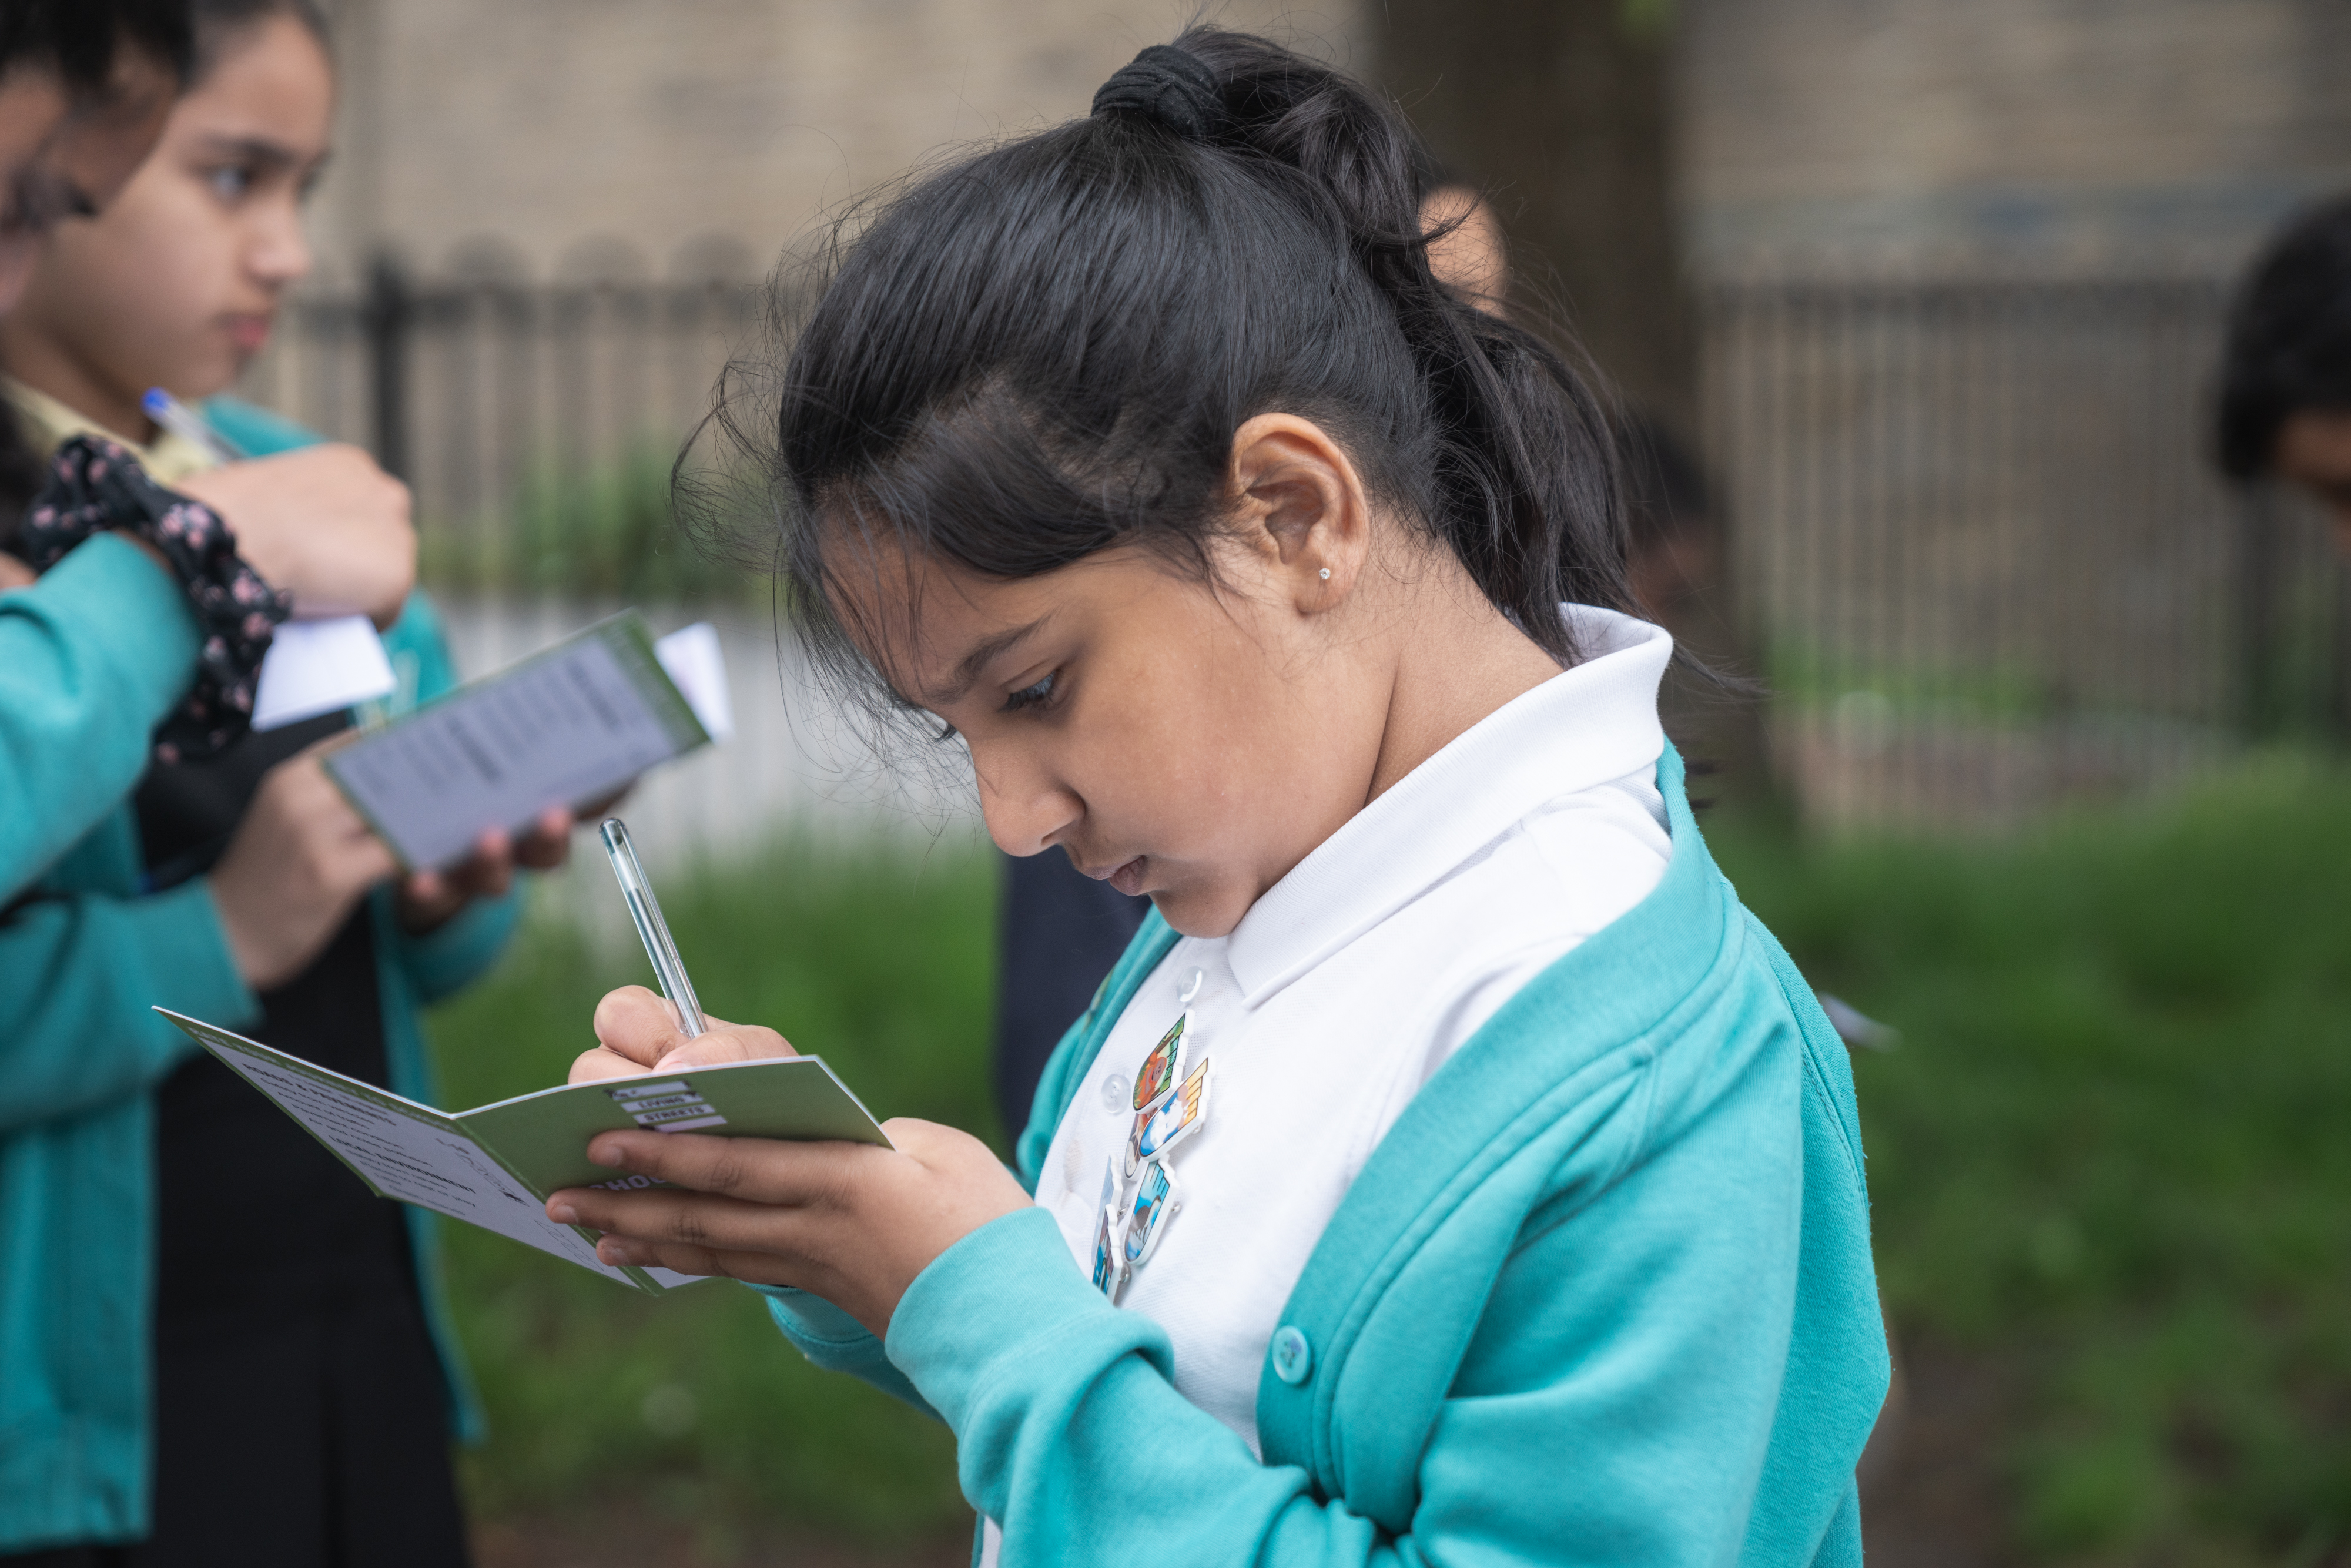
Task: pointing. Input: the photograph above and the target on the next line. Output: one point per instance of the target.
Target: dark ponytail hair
(1043, 351)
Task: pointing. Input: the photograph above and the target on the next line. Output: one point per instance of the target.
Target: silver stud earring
(1326, 574)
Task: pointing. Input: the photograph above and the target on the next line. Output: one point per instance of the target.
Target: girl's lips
(249, 332)
(1128, 878)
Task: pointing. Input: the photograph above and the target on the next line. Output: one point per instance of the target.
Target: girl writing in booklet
(1451, 1171)
(266, 1381)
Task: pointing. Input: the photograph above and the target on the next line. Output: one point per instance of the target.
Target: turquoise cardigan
(92, 657)
(1602, 1294)
(80, 1055)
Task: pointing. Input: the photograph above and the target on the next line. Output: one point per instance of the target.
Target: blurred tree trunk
(1560, 110)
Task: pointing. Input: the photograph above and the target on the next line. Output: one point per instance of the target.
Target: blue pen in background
(189, 425)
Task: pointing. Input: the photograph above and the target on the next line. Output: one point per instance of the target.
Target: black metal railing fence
(1985, 558)
(1982, 559)
(536, 423)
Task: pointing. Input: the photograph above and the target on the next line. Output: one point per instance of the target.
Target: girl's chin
(1202, 911)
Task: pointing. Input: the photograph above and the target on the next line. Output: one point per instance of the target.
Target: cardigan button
(1293, 1356)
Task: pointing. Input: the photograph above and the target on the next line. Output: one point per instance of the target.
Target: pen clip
(644, 909)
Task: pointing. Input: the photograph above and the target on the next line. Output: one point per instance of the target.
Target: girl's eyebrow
(258, 150)
(977, 658)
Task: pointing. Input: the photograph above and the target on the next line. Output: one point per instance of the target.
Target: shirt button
(1293, 1357)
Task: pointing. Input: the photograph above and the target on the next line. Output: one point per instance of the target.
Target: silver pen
(652, 929)
(189, 425)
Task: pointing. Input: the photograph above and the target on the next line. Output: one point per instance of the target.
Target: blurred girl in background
(97, 651)
(304, 1380)
(1452, 1171)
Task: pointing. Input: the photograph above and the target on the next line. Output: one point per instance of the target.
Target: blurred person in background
(1058, 931)
(304, 1381)
(106, 645)
(2286, 381)
(1672, 546)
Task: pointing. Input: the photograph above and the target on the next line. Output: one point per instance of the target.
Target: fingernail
(564, 1213)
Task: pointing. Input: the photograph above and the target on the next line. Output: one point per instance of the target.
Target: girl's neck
(1458, 660)
(48, 368)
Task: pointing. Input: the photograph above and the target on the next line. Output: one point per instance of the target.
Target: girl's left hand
(427, 899)
(849, 1222)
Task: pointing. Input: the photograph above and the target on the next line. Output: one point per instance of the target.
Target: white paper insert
(320, 666)
(690, 656)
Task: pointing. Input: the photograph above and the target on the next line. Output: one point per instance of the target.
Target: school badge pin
(1175, 1118)
(1157, 1073)
(1155, 1201)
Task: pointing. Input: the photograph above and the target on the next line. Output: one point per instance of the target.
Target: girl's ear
(1302, 510)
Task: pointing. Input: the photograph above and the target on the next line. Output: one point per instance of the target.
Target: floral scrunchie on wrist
(95, 486)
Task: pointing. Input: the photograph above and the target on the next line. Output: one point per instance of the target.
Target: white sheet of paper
(563, 728)
(690, 656)
(320, 666)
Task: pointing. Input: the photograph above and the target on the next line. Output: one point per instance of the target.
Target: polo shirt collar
(1582, 728)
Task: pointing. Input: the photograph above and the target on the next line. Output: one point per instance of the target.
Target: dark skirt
(320, 1443)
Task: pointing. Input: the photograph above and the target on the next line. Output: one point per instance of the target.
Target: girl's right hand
(300, 860)
(325, 523)
(640, 1035)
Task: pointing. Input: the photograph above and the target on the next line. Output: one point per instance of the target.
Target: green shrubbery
(603, 532)
(2115, 1148)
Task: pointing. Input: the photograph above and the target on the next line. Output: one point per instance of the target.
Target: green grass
(2115, 1148)
(605, 531)
(2112, 1155)
(690, 1406)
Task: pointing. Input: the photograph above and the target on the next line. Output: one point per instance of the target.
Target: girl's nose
(1027, 808)
(280, 254)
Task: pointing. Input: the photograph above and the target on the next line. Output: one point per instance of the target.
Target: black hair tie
(1170, 85)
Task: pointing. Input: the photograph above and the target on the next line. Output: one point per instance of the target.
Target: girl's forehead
(918, 618)
(932, 626)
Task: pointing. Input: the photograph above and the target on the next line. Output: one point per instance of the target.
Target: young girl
(1451, 1171)
(303, 1384)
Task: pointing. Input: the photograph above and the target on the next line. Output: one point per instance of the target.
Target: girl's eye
(230, 184)
(1030, 697)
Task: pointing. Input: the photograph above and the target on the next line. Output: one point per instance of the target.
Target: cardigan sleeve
(91, 658)
(831, 1339)
(86, 1037)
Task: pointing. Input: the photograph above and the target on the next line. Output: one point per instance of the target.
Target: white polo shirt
(1354, 978)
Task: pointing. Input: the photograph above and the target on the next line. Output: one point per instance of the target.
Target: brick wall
(2085, 135)
(601, 135)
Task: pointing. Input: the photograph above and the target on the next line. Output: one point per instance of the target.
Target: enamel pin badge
(1167, 1124)
(1157, 1073)
(1155, 1201)
(1109, 1230)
